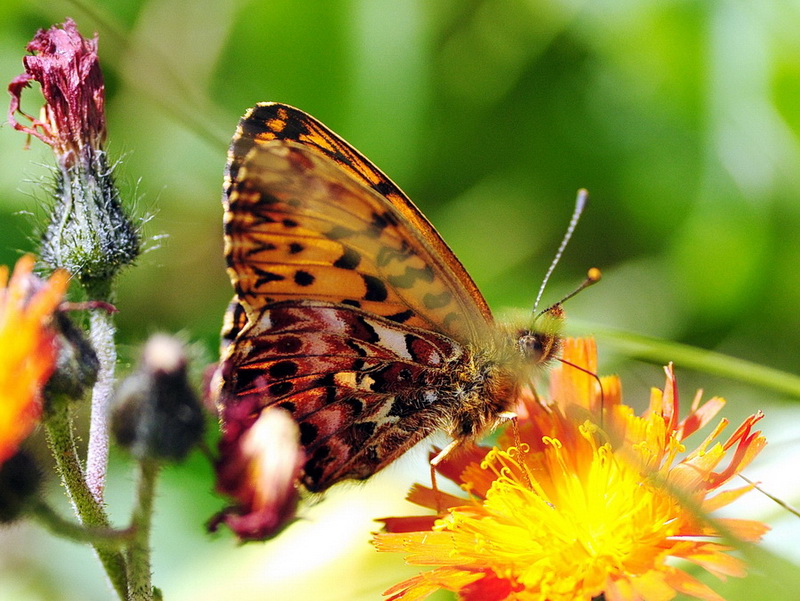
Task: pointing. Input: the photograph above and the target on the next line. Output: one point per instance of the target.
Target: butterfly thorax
(496, 367)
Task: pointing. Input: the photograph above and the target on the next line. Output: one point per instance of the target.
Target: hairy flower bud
(155, 413)
(77, 364)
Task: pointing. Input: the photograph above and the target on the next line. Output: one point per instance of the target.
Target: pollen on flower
(564, 510)
(27, 349)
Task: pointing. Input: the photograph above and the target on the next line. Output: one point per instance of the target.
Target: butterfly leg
(436, 461)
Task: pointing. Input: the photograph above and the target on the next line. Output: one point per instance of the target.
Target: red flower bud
(261, 472)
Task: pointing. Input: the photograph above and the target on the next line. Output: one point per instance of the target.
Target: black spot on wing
(402, 316)
(288, 344)
(266, 199)
(246, 378)
(303, 278)
(260, 219)
(280, 389)
(327, 383)
(295, 248)
(283, 369)
(315, 467)
(261, 247)
(376, 289)
(384, 188)
(356, 347)
(366, 332)
(308, 433)
(265, 277)
(378, 224)
(349, 260)
(356, 406)
(288, 405)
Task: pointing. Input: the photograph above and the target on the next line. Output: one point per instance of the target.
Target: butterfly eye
(530, 345)
(536, 347)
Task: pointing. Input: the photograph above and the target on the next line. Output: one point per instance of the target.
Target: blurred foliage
(680, 117)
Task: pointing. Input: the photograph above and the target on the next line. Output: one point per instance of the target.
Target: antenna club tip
(594, 275)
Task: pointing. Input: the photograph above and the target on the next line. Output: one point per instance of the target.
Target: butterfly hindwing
(362, 388)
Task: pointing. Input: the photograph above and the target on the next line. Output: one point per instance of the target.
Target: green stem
(656, 350)
(139, 571)
(101, 336)
(64, 528)
(60, 438)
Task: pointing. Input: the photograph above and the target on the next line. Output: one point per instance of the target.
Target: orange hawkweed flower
(27, 349)
(563, 509)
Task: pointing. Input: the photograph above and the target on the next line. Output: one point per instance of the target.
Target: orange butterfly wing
(309, 217)
(351, 313)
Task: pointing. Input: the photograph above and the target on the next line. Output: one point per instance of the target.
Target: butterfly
(350, 311)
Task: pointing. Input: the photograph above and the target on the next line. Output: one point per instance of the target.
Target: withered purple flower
(260, 472)
(67, 67)
(89, 233)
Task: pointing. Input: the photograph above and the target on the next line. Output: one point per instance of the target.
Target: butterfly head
(542, 342)
(536, 341)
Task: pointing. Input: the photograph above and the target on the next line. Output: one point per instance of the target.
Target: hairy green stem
(101, 336)
(60, 438)
(58, 525)
(139, 571)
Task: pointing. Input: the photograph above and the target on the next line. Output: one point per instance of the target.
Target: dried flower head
(562, 510)
(89, 233)
(66, 66)
(155, 413)
(261, 474)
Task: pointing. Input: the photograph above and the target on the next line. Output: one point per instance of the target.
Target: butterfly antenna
(580, 204)
(592, 277)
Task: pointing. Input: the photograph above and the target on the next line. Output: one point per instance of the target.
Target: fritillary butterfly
(350, 310)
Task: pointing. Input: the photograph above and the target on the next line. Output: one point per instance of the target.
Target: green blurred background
(680, 117)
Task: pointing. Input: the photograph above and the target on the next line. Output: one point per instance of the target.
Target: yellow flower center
(559, 523)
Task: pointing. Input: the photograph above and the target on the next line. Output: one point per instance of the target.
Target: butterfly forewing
(309, 217)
